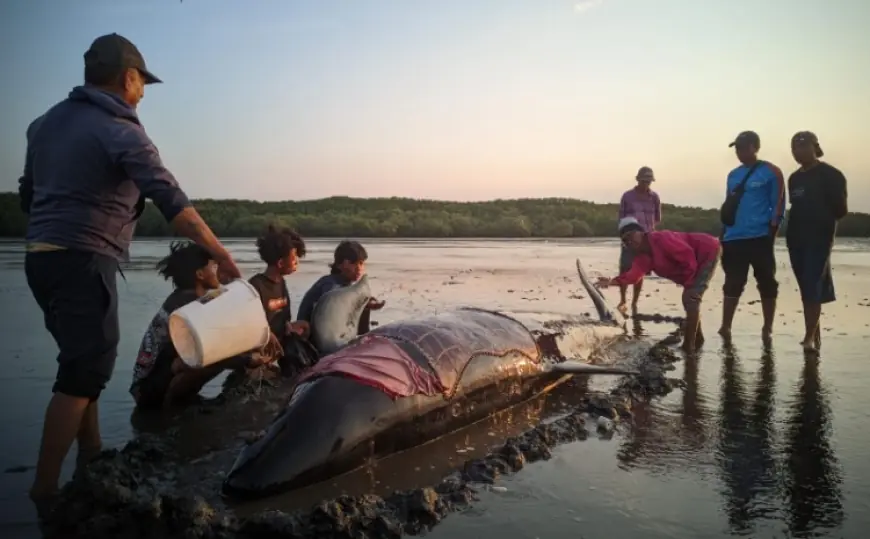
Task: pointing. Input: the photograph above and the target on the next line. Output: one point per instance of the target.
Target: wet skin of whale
(333, 424)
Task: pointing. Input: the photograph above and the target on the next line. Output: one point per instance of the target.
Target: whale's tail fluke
(604, 311)
(576, 367)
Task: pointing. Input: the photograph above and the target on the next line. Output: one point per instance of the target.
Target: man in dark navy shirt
(817, 192)
(88, 169)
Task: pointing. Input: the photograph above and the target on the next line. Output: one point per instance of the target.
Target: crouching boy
(160, 378)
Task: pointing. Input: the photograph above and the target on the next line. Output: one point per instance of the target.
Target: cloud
(585, 5)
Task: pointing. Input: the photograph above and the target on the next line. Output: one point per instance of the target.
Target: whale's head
(336, 316)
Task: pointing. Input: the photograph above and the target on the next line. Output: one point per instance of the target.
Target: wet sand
(691, 443)
(167, 484)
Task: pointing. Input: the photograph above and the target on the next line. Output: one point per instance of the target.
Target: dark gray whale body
(482, 361)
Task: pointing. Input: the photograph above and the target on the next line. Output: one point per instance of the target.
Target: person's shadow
(812, 477)
(694, 411)
(745, 445)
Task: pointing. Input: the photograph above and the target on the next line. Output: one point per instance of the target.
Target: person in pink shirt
(686, 258)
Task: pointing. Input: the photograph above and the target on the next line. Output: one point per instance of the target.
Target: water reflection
(637, 327)
(694, 416)
(812, 478)
(663, 438)
(744, 449)
(772, 474)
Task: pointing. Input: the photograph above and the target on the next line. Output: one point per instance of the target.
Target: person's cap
(117, 51)
(628, 222)
(747, 138)
(645, 174)
(807, 137)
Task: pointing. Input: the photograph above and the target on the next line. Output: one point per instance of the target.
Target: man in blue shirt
(750, 241)
(88, 169)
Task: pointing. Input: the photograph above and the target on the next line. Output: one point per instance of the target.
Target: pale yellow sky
(497, 99)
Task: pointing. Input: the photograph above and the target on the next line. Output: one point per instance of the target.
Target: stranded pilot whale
(406, 383)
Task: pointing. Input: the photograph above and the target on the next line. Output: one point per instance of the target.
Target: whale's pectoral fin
(604, 311)
(575, 367)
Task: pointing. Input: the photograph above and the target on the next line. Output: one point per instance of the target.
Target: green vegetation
(408, 218)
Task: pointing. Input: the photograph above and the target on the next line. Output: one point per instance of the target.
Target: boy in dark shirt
(348, 267)
(281, 250)
(160, 377)
(817, 192)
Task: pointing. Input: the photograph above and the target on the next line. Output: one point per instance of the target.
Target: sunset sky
(461, 99)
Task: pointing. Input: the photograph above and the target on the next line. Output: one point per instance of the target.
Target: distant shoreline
(406, 219)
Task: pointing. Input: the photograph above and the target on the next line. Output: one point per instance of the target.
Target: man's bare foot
(85, 456)
(44, 502)
(725, 332)
(699, 340)
(634, 307)
(809, 346)
(622, 308)
(766, 332)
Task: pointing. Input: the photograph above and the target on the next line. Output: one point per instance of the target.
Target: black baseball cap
(117, 51)
(646, 174)
(807, 137)
(750, 138)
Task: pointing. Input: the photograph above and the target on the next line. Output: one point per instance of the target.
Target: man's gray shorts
(626, 257)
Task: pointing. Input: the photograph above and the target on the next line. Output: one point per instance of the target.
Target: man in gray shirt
(88, 169)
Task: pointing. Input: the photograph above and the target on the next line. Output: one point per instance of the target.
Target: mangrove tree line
(410, 218)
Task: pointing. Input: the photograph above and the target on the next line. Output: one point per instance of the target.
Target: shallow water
(761, 443)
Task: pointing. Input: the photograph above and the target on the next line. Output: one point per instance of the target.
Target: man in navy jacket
(88, 169)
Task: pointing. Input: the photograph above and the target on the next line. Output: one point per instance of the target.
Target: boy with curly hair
(281, 249)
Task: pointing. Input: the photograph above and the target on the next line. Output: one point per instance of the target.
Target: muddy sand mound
(167, 485)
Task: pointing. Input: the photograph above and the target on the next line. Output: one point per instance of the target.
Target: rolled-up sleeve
(640, 266)
(133, 150)
(623, 207)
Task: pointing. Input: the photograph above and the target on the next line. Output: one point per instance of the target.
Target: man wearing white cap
(689, 259)
(642, 204)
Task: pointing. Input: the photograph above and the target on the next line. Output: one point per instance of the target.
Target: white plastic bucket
(221, 324)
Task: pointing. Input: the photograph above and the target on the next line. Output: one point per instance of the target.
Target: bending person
(688, 259)
(348, 267)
